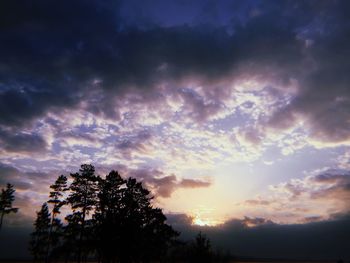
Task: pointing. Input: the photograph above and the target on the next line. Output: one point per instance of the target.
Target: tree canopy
(112, 219)
(6, 200)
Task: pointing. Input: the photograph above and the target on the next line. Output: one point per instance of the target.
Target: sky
(236, 114)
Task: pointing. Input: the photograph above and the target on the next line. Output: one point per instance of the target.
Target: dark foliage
(112, 220)
(56, 199)
(197, 251)
(83, 199)
(58, 189)
(40, 236)
(108, 217)
(6, 199)
(200, 251)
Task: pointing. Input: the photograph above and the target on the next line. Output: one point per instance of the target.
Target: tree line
(108, 220)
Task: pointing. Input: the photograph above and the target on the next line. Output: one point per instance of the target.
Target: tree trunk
(2, 218)
(49, 238)
(81, 235)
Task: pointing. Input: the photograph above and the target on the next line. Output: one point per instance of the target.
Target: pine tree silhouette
(39, 238)
(111, 218)
(6, 199)
(107, 218)
(58, 189)
(83, 199)
(71, 236)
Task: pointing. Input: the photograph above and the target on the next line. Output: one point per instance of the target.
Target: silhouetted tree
(6, 199)
(112, 216)
(108, 216)
(178, 252)
(83, 199)
(58, 189)
(71, 236)
(39, 238)
(158, 236)
(135, 201)
(128, 227)
(201, 250)
(144, 232)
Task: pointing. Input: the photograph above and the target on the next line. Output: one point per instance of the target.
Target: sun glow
(203, 216)
(203, 222)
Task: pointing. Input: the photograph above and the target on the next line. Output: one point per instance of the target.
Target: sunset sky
(225, 109)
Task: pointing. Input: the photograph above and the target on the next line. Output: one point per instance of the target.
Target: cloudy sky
(227, 110)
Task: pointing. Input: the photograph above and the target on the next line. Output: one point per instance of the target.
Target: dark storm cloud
(57, 54)
(324, 95)
(43, 63)
(21, 142)
(54, 54)
(259, 237)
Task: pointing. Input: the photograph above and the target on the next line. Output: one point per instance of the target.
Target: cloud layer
(105, 58)
(219, 96)
(316, 197)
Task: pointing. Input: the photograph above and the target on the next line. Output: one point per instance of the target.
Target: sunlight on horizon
(206, 216)
(200, 222)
